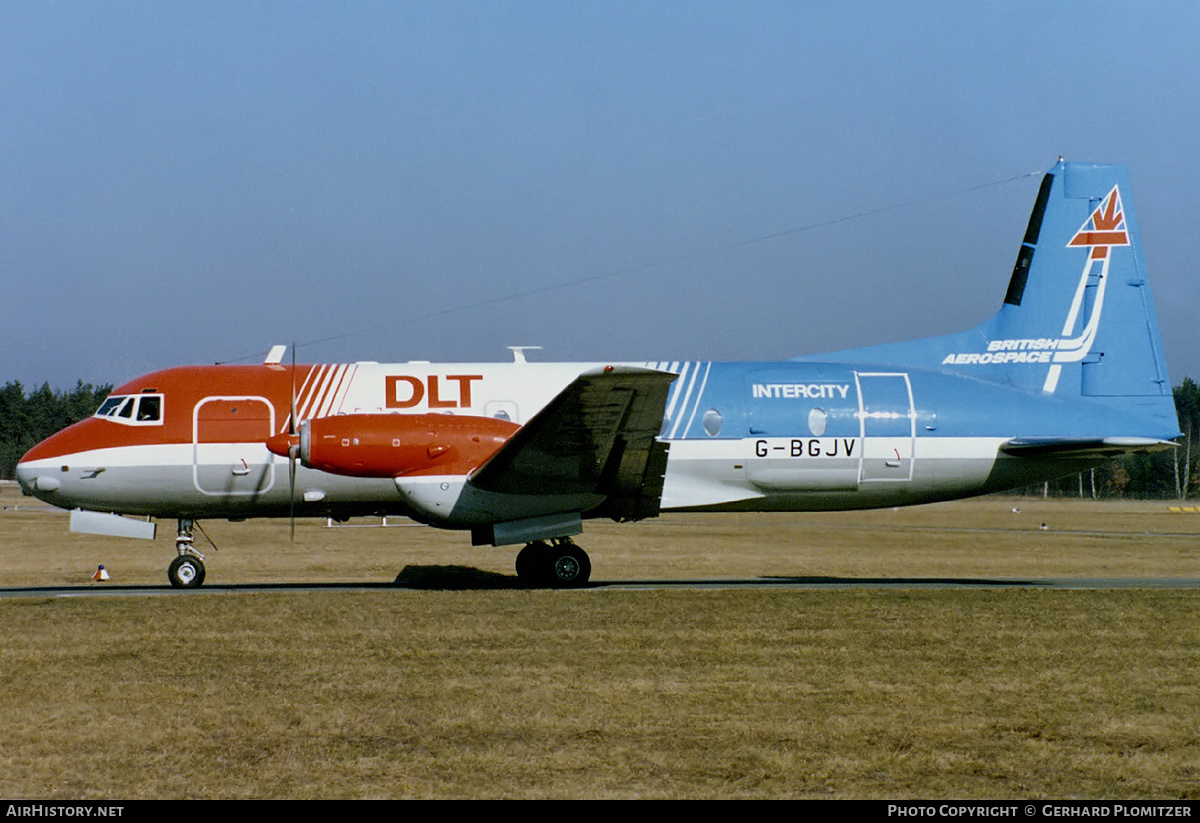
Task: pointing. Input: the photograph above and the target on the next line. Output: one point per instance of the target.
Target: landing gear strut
(557, 564)
(187, 570)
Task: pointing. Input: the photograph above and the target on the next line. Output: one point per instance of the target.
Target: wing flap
(598, 436)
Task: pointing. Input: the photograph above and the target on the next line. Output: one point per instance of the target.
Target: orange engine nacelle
(391, 445)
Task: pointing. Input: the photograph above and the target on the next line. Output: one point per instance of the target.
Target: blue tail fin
(1079, 293)
(1078, 319)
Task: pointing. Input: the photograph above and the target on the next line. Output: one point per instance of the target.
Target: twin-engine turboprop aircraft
(1068, 373)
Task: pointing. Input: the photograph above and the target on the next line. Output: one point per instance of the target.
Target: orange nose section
(83, 436)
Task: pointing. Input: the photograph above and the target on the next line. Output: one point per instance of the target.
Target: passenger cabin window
(712, 422)
(133, 410)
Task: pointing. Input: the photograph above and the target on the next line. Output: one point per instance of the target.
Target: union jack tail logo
(1104, 228)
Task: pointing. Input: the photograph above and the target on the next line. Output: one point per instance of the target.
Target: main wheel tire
(532, 562)
(186, 572)
(569, 567)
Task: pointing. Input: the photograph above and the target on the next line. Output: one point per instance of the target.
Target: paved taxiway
(460, 583)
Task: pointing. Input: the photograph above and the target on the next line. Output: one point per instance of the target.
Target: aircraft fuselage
(742, 436)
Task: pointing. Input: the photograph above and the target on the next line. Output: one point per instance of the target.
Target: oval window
(712, 422)
(817, 421)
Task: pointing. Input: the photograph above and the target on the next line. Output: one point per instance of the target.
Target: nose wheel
(557, 564)
(187, 570)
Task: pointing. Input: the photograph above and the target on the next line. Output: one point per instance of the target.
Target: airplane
(1068, 373)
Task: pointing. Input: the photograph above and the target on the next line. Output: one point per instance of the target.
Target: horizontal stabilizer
(1083, 447)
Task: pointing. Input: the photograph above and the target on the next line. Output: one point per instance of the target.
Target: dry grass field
(463, 685)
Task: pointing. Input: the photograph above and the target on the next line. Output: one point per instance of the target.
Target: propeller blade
(292, 410)
(292, 491)
(293, 451)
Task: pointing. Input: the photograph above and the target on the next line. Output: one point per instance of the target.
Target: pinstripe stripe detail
(304, 400)
(689, 398)
(298, 400)
(699, 396)
(326, 383)
(332, 388)
(677, 388)
(339, 399)
(315, 392)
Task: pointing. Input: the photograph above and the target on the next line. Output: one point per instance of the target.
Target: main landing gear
(187, 570)
(557, 564)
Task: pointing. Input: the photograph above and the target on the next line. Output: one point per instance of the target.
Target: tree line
(29, 417)
(26, 418)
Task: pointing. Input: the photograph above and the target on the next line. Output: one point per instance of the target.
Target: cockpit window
(133, 410)
(149, 409)
(109, 406)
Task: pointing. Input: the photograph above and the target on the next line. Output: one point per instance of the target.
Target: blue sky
(193, 182)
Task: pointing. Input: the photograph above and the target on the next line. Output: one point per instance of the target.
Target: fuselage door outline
(887, 426)
(229, 455)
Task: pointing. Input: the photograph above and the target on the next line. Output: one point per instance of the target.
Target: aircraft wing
(1082, 447)
(596, 437)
